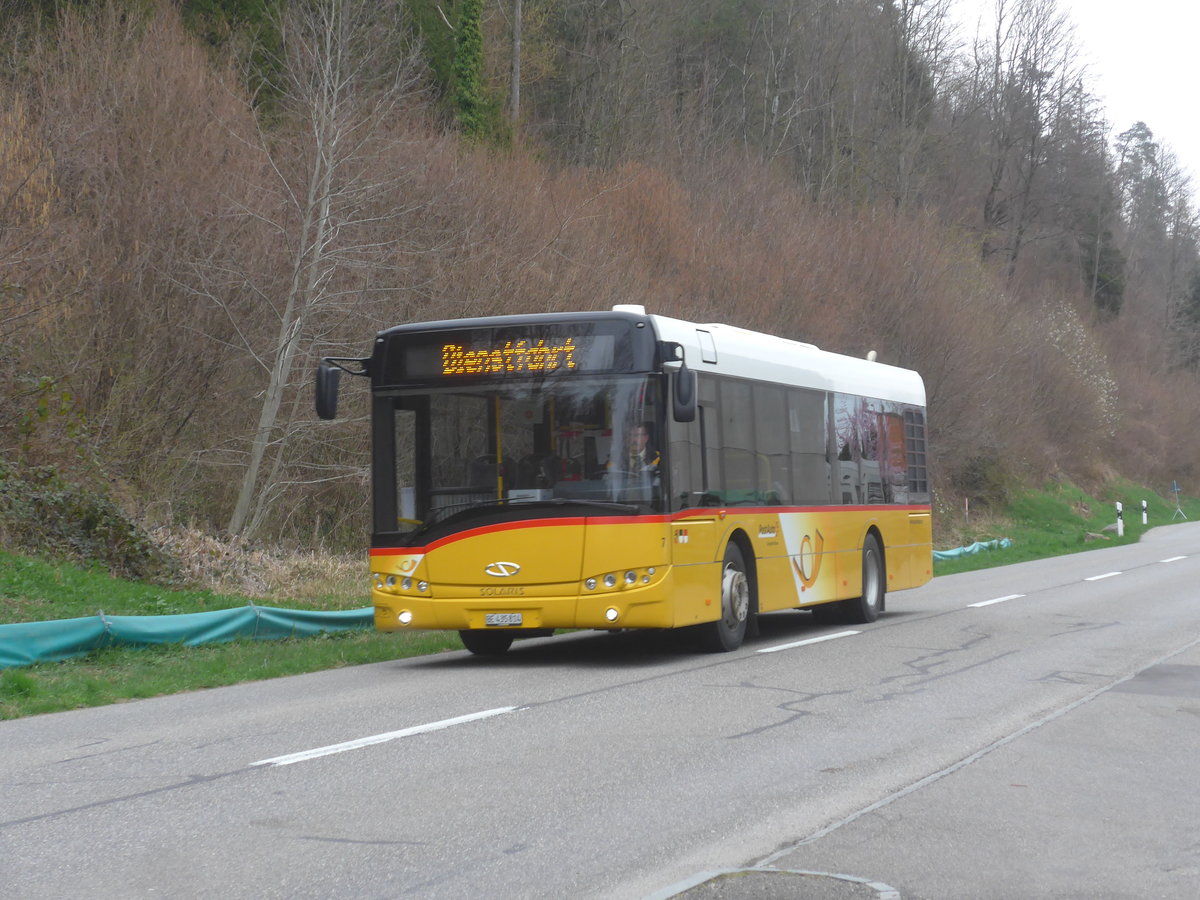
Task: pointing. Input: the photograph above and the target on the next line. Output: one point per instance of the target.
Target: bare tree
(338, 86)
(1026, 73)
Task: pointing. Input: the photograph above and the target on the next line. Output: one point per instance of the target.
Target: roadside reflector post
(1120, 520)
(1145, 514)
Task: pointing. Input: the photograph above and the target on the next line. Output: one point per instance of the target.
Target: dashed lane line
(816, 640)
(997, 600)
(355, 744)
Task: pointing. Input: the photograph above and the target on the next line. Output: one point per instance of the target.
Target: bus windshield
(517, 449)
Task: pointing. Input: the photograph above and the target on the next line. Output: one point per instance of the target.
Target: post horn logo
(808, 563)
(502, 569)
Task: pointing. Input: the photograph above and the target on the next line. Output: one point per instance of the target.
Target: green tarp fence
(31, 642)
(976, 547)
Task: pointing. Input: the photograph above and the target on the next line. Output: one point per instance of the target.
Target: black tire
(864, 609)
(487, 643)
(728, 632)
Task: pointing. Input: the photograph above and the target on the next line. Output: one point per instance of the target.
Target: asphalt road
(1027, 731)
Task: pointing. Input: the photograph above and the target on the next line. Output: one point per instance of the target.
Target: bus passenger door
(695, 566)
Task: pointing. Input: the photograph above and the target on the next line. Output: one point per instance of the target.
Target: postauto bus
(618, 470)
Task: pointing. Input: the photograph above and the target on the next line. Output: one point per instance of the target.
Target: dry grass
(293, 578)
(957, 524)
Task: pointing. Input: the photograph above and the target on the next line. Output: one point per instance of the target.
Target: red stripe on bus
(698, 512)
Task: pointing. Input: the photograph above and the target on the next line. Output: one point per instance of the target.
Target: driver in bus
(643, 458)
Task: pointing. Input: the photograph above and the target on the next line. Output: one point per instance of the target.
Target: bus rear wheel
(864, 609)
(728, 632)
(486, 643)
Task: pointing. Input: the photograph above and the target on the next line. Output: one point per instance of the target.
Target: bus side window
(737, 437)
(845, 422)
(808, 415)
(771, 444)
(914, 443)
(710, 417)
(687, 471)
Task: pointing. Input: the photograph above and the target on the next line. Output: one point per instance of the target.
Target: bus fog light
(405, 617)
(610, 580)
(611, 614)
(590, 584)
(630, 577)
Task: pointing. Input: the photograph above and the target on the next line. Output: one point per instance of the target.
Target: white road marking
(816, 640)
(1173, 559)
(379, 738)
(1105, 575)
(997, 600)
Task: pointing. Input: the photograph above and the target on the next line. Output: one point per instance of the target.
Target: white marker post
(1145, 514)
(1120, 520)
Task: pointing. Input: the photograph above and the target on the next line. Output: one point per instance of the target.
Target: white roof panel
(751, 354)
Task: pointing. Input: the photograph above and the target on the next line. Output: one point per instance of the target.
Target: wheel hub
(735, 596)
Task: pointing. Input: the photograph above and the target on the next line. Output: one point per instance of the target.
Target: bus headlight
(590, 584)
(610, 580)
(631, 577)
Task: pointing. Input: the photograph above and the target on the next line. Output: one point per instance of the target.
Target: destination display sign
(511, 352)
(515, 357)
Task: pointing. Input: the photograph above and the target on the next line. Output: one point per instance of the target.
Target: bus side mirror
(328, 376)
(683, 397)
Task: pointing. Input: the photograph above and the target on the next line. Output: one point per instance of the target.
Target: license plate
(502, 619)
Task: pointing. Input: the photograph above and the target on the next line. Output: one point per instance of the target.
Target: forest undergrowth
(164, 297)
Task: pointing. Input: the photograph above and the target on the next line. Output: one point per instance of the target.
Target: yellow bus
(618, 470)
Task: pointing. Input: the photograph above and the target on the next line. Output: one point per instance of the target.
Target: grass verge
(37, 590)
(115, 675)
(1054, 521)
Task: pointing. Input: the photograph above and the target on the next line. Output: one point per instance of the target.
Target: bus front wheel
(486, 643)
(864, 609)
(728, 632)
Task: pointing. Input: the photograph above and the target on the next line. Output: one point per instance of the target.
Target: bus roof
(751, 354)
(726, 350)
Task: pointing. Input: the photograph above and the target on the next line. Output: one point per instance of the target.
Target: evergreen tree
(469, 102)
(1104, 272)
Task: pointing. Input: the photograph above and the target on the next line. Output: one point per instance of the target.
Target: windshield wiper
(603, 505)
(440, 514)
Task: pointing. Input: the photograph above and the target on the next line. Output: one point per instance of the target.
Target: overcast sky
(1144, 61)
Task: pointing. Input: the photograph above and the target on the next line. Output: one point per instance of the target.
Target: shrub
(41, 513)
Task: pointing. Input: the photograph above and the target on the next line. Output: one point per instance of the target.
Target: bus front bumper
(637, 606)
